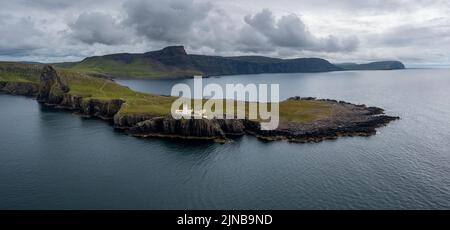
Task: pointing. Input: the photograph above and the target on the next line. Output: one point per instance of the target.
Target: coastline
(347, 119)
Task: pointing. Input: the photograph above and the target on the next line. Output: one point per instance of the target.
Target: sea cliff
(29, 89)
(175, 62)
(342, 119)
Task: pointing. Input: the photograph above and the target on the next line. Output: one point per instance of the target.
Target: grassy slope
(304, 111)
(174, 62)
(138, 68)
(142, 103)
(19, 72)
(96, 88)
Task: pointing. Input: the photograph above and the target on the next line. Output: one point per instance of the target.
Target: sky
(416, 32)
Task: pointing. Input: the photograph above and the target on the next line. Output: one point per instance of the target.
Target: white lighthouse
(186, 112)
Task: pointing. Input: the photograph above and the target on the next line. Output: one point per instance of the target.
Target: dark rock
(184, 128)
(232, 127)
(20, 88)
(347, 119)
(382, 65)
(126, 121)
(51, 86)
(53, 90)
(374, 111)
(101, 109)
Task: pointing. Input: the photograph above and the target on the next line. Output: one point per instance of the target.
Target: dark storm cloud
(291, 31)
(344, 30)
(168, 21)
(200, 25)
(19, 36)
(101, 28)
(50, 4)
(288, 31)
(178, 21)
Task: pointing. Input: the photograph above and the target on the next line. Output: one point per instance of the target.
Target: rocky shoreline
(28, 89)
(347, 119)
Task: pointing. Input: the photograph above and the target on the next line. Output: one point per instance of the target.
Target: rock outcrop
(325, 130)
(346, 120)
(182, 128)
(125, 121)
(104, 109)
(29, 89)
(51, 87)
(54, 91)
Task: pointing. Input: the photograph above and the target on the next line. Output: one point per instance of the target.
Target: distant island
(382, 65)
(148, 115)
(174, 62)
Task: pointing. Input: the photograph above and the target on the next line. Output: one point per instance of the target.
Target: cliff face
(210, 65)
(347, 119)
(184, 128)
(20, 88)
(91, 107)
(382, 65)
(53, 90)
(125, 121)
(51, 87)
(173, 56)
(19, 78)
(173, 61)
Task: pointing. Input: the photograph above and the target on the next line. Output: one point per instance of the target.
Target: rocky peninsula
(146, 115)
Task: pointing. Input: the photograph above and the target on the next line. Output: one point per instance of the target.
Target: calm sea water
(57, 160)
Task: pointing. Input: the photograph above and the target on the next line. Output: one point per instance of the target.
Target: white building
(189, 112)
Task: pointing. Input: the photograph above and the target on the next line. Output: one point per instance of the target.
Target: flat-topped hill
(172, 62)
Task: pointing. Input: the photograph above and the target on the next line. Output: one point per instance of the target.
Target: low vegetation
(19, 72)
(136, 68)
(89, 87)
(174, 62)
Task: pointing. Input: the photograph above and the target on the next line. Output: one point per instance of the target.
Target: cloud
(95, 27)
(204, 26)
(50, 4)
(341, 31)
(19, 36)
(167, 21)
(291, 31)
(420, 35)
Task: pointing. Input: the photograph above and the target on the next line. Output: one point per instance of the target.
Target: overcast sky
(416, 32)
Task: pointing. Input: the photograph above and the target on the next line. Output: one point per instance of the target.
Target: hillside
(173, 62)
(382, 65)
(135, 103)
(19, 72)
(149, 115)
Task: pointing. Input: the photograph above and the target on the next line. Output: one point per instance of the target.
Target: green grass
(143, 103)
(102, 89)
(89, 87)
(138, 68)
(19, 72)
(14, 77)
(304, 110)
